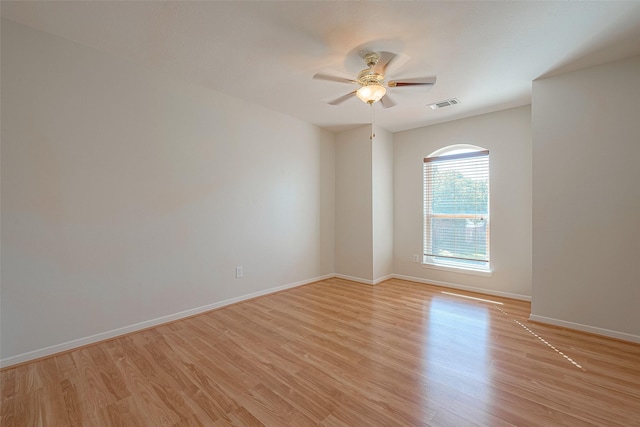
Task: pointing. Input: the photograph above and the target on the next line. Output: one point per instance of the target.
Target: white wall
(364, 205)
(353, 204)
(507, 135)
(128, 196)
(586, 199)
(382, 209)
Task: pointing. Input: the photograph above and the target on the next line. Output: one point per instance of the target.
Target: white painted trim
(70, 345)
(464, 287)
(382, 279)
(458, 269)
(354, 279)
(585, 328)
(365, 281)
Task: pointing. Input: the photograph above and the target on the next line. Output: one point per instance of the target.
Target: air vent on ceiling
(445, 103)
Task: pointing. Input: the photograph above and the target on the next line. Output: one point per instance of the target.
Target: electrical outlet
(239, 272)
(416, 258)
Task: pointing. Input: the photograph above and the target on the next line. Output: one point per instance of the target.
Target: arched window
(456, 207)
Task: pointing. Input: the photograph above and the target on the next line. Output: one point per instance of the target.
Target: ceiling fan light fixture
(371, 93)
(371, 81)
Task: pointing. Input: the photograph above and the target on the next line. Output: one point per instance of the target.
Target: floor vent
(446, 103)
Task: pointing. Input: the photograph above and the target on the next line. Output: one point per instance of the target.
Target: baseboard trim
(354, 279)
(365, 281)
(382, 279)
(585, 328)
(81, 342)
(103, 336)
(463, 287)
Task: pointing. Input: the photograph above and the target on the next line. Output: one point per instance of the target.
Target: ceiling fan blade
(387, 102)
(386, 58)
(419, 81)
(328, 77)
(342, 98)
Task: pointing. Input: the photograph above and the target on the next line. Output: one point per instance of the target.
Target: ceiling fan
(372, 81)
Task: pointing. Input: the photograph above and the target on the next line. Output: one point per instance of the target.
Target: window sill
(452, 269)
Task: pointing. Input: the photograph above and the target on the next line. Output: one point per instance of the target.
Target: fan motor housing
(369, 77)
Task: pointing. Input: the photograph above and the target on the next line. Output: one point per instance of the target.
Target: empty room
(319, 213)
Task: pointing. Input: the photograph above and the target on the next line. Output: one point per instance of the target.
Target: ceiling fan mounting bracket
(371, 59)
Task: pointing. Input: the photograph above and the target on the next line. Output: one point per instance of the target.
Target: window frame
(478, 267)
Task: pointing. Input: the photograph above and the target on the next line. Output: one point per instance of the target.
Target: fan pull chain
(373, 122)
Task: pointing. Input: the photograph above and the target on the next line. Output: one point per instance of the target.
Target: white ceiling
(486, 54)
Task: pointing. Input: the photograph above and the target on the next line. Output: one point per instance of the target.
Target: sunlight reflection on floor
(470, 297)
(456, 352)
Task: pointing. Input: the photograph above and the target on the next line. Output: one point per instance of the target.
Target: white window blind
(456, 209)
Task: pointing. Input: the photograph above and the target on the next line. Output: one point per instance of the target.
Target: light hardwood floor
(337, 353)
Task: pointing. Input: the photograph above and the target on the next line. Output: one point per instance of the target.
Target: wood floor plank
(271, 410)
(120, 414)
(337, 353)
(7, 411)
(241, 418)
(71, 401)
(146, 396)
(93, 390)
(8, 383)
(27, 379)
(109, 374)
